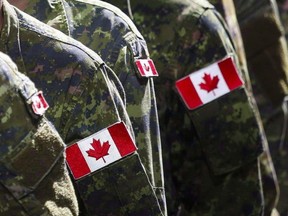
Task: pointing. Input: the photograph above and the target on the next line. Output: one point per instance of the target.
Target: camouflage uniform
(37, 185)
(268, 65)
(84, 97)
(270, 182)
(212, 152)
(108, 31)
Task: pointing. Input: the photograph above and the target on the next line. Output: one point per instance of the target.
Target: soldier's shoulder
(195, 7)
(10, 75)
(111, 12)
(7, 62)
(8, 70)
(187, 10)
(29, 23)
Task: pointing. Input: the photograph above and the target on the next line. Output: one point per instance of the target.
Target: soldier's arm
(32, 167)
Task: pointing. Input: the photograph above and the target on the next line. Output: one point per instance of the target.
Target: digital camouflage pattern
(34, 179)
(269, 179)
(83, 94)
(109, 32)
(268, 65)
(212, 152)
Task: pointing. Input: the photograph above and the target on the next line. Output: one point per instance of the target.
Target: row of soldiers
(88, 128)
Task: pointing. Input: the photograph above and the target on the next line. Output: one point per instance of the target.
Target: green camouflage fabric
(34, 179)
(269, 179)
(108, 31)
(84, 95)
(210, 154)
(268, 65)
(105, 29)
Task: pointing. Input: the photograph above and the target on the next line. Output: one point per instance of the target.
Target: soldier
(87, 109)
(269, 178)
(214, 149)
(268, 65)
(109, 32)
(33, 176)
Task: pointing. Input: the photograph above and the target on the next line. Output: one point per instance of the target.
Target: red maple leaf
(99, 150)
(146, 67)
(209, 83)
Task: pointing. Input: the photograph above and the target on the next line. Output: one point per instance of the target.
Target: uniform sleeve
(212, 146)
(32, 167)
(227, 128)
(142, 109)
(122, 187)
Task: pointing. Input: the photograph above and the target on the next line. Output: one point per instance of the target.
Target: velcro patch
(39, 104)
(146, 67)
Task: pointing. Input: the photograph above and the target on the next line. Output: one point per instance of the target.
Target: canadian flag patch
(209, 83)
(146, 67)
(38, 103)
(99, 150)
